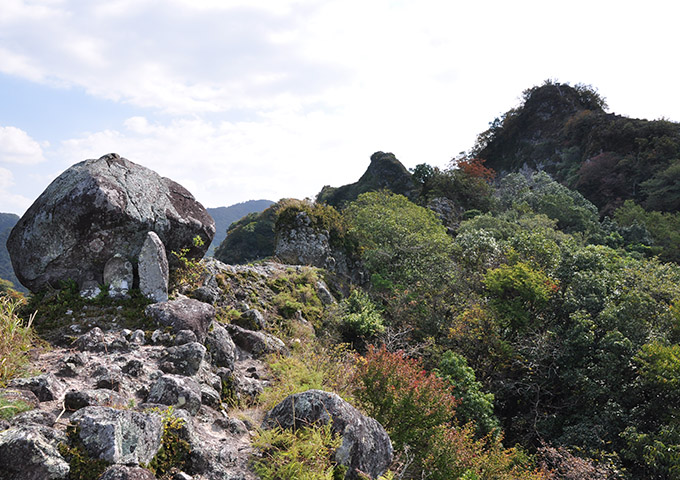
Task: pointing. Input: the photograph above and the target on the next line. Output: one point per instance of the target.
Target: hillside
(225, 216)
(7, 221)
(609, 158)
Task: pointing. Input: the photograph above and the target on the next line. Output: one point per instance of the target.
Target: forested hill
(609, 158)
(225, 216)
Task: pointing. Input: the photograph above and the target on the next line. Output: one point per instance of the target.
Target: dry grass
(16, 340)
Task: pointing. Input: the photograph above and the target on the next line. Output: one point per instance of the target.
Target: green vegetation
(187, 271)
(10, 408)
(303, 453)
(173, 455)
(51, 309)
(16, 339)
(225, 216)
(251, 238)
(82, 466)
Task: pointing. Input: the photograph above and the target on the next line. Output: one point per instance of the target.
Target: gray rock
(153, 269)
(124, 472)
(20, 395)
(251, 319)
(119, 436)
(133, 367)
(185, 336)
(177, 391)
(30, 453)
(324, 294)
(46, 386)
(183, 359)
(92, 341)
(221, 347)
(34, 417)
(118, 275)
(210, 396)
(256, 343)
(99, 208)
(365, 447)
(75, 400)
(183, 314)
(109, 377)
(159, 337)
(71, 365)
(137, 337)
(303, 244)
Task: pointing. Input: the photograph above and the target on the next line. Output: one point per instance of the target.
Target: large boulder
(365, 446)
(119, 436)
(97, 209)
(183, 314)
(30, 452)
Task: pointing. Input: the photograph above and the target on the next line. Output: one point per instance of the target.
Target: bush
(418, 411)
(360, 319)
(405, 399)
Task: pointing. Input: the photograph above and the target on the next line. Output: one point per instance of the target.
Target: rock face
(119, 436)
(365, 447)
(153, 269)
(97, 209)
(302, 244)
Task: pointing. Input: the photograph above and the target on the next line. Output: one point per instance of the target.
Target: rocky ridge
(106, 390)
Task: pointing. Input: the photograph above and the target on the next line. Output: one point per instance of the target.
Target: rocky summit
(97, 209)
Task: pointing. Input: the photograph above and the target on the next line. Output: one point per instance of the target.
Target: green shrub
(360, 318)
(173, 454)
(475, 405)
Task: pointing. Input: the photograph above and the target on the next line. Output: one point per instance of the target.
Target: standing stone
(153, 269)
(99, 208)
(118, 275)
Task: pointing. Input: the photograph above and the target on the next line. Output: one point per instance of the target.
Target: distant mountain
(384, 172)
(225, 216)
(7, 222)
(609, 158)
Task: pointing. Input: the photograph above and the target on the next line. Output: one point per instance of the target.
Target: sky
(267, 99)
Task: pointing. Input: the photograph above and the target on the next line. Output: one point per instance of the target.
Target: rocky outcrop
(365, 447)
(97, 209)
(384, 172)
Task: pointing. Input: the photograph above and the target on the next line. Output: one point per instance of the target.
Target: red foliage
(404, 398)
(475, 168)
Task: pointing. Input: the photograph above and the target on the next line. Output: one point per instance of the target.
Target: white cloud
(9, 201)
(16, 146)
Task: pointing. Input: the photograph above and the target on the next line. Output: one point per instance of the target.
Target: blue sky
(251, 99)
